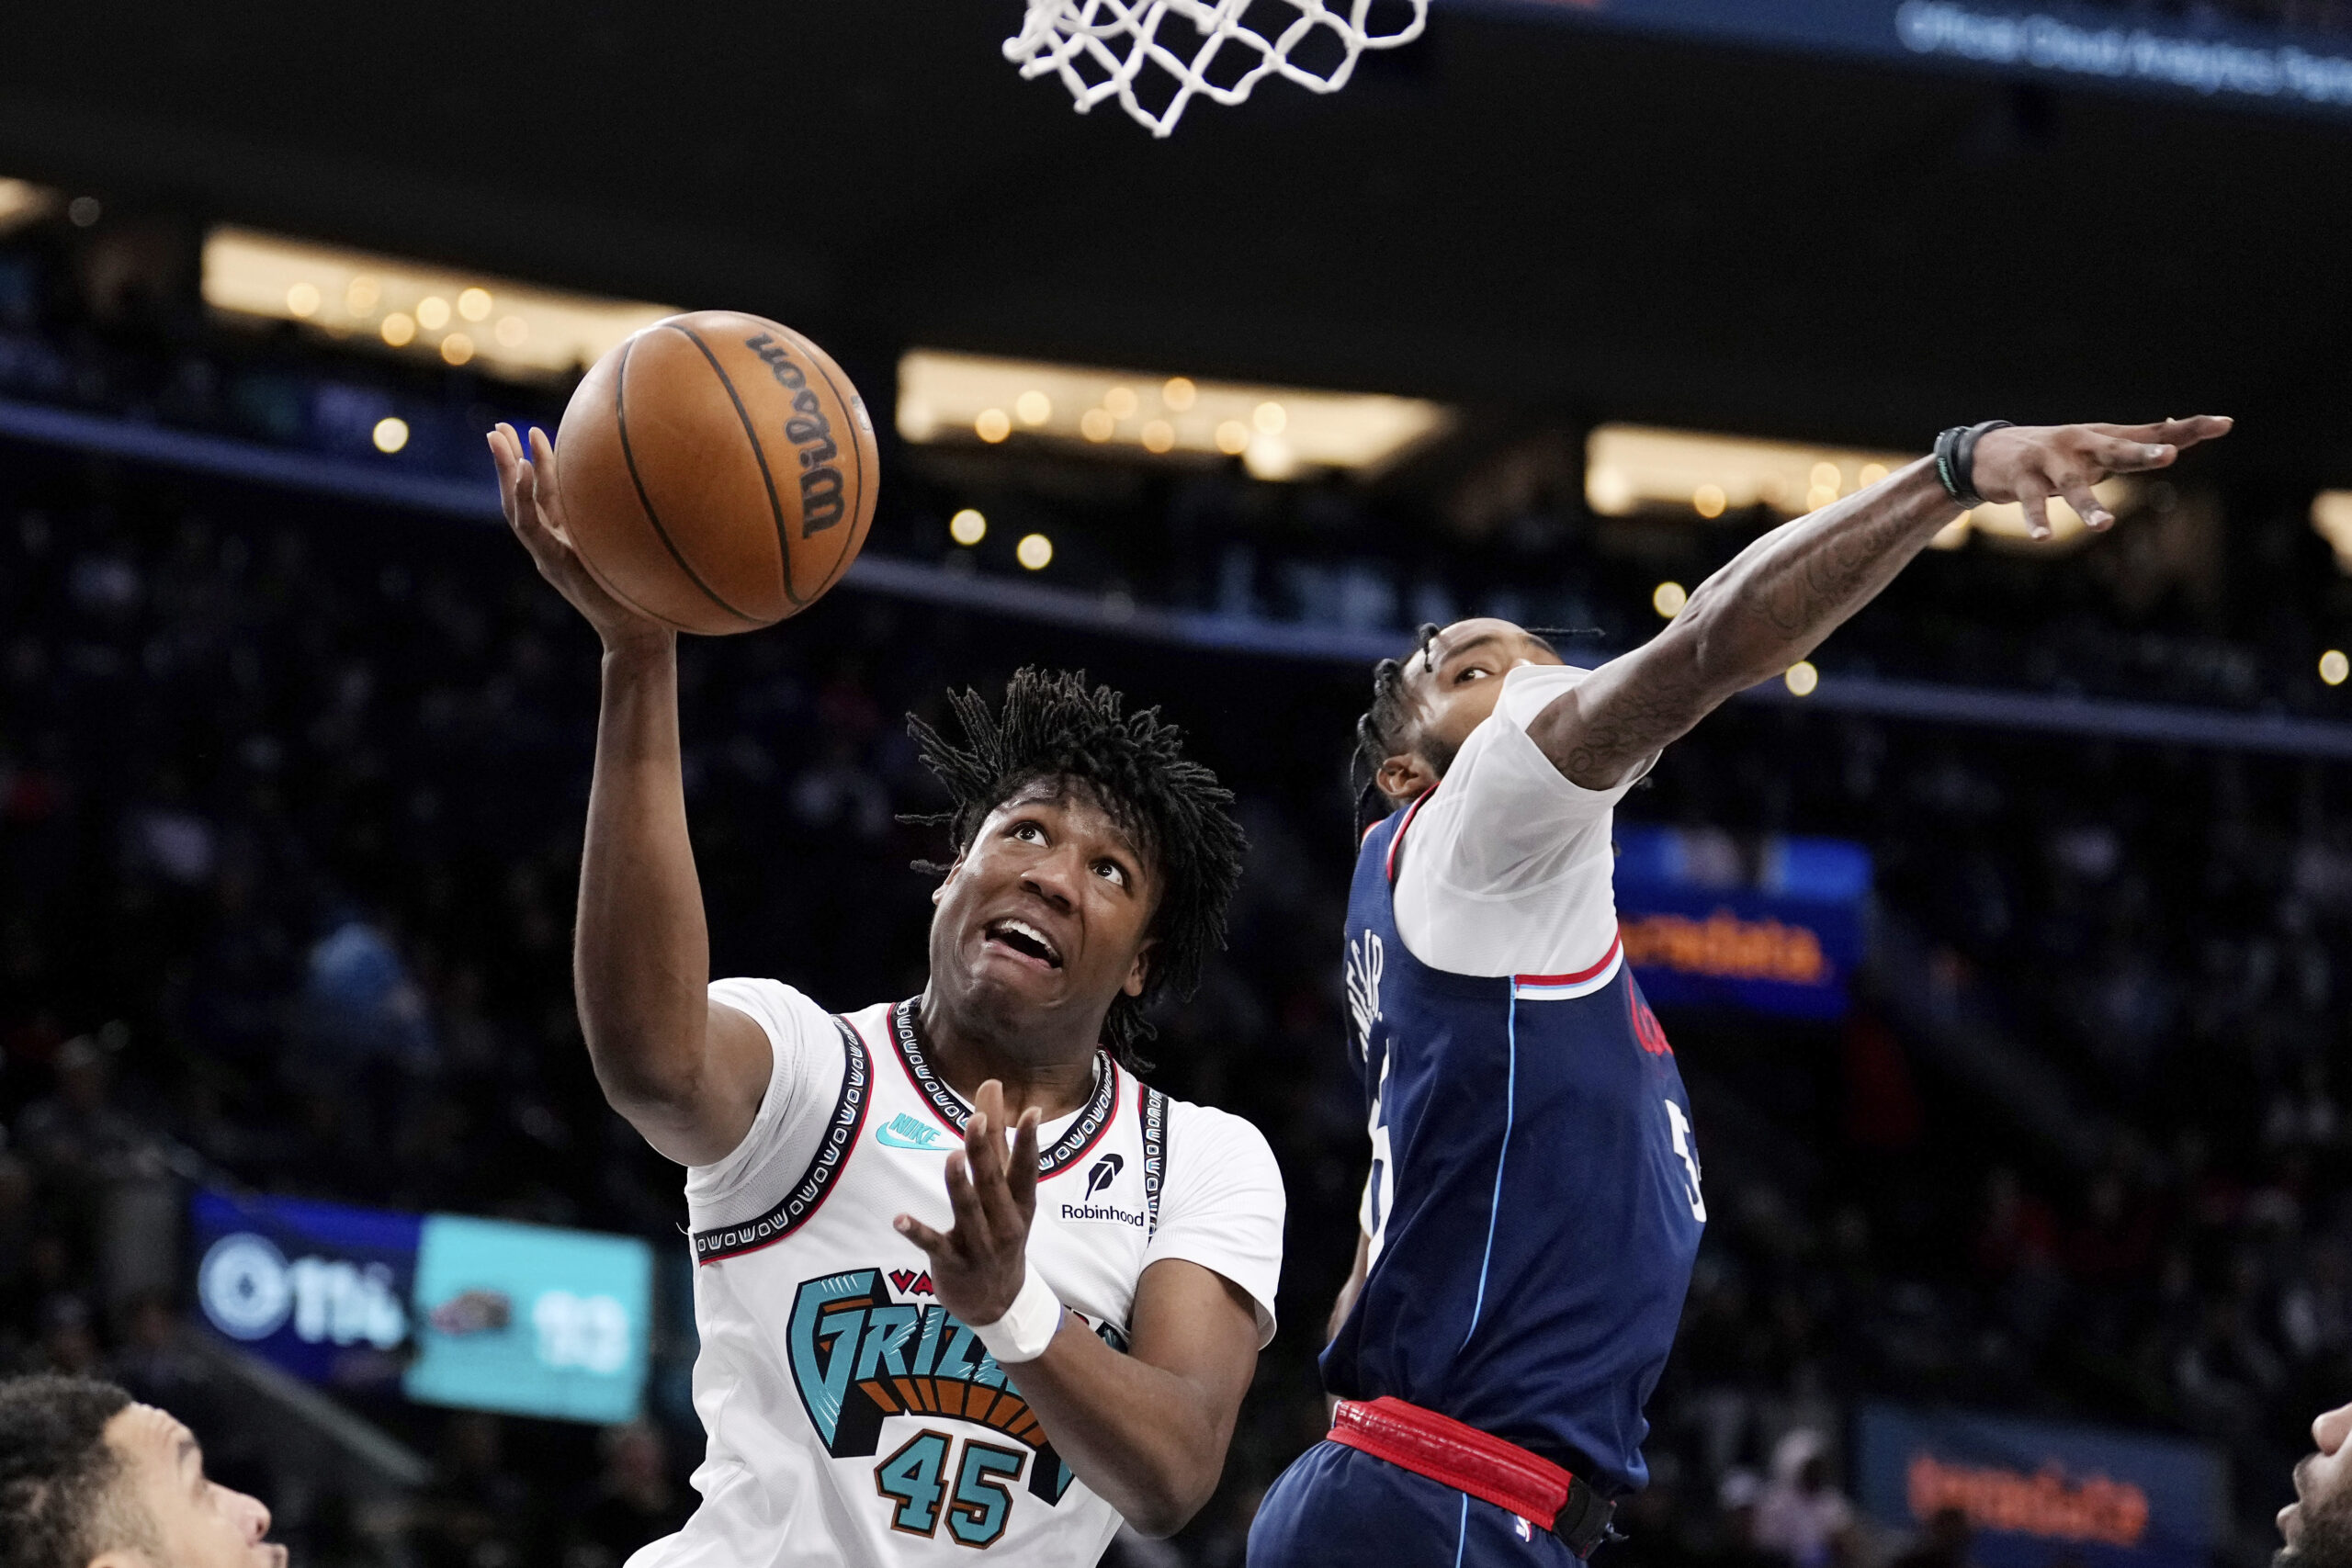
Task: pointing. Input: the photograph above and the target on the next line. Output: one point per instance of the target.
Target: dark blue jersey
(1535, 1206)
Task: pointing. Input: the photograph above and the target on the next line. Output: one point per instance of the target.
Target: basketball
(718, 471)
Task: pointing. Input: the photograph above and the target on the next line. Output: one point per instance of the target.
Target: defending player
(1534, 1202)
(912, 1344)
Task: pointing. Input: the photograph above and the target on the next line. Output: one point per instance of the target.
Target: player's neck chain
(1082, 1133)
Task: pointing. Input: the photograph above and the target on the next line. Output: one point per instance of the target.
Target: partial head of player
(1425, 704)
(1093, 863)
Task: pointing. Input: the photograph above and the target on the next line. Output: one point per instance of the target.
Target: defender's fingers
(973, 1231)
(2037, 512)
(923, 1236)
(2087, 506)
(2203, 427)
(2172, 432)
(2119, 456)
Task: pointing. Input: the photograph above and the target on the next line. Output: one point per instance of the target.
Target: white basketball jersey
(851, 1419)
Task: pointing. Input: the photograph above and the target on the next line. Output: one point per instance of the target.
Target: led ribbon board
(2242, 64)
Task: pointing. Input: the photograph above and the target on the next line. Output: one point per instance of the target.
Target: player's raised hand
(526, 491)
(978, 1266)
(2028, 464)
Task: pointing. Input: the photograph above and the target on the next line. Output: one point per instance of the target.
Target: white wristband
(1027, 1326)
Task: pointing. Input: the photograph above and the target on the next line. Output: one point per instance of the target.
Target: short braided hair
(58, 1474)
(1053, 727)
(1385, 728)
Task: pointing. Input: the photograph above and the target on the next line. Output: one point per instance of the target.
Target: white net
(1136, 49)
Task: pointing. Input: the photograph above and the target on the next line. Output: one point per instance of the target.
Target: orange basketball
(718, 471)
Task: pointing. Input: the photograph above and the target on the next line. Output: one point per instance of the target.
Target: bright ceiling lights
(2332, 517)
(23, 202)
(1277, 431)
(408, 305)
(1636, 468)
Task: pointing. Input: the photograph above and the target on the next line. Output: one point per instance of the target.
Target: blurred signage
(482, 1314)
(2203, 54)
(531, 1320)
(1775, 926)
(320, 1288)
(2036, 1494)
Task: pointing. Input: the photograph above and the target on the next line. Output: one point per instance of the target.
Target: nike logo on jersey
(903, 1132)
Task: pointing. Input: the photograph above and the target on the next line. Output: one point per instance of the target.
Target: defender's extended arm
(1780, 596)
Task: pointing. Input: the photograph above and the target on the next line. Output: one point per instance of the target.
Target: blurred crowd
(291, 798)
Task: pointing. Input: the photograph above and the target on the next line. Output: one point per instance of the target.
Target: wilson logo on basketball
(821, 502)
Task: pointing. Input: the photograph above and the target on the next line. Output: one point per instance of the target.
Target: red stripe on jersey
(1389, 867)
(1582, 974)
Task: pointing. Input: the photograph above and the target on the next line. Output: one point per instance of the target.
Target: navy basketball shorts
(1340, 1507)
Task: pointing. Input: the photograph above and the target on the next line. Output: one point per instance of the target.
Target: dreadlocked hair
(1386, 728)
(1053, 727)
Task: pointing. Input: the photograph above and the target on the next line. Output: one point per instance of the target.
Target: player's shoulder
(776, 1003)
(1203, 1137)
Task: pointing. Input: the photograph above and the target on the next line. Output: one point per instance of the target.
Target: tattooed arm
(1780, 596)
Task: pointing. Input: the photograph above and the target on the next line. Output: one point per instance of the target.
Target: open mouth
(1025, 939)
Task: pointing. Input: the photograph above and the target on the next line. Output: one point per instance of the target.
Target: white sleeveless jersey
(851, 1419)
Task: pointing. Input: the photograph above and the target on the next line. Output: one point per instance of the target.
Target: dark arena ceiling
(1511, 213)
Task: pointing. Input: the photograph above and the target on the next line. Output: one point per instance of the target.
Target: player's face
(198, 1523)
(1049, 911)
(2318, 1524)
(1454, 687)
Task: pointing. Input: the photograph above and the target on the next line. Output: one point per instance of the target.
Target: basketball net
(1099, 48)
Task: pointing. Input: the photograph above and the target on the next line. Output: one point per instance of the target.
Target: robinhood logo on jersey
(1097, 1180)
(857, 1356)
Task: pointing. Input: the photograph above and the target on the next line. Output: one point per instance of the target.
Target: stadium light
(407, 306)
(23, 202)
(1278, 432)
(2332, 519)
(1637, 469)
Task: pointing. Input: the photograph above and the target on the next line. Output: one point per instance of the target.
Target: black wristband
(1956, 461)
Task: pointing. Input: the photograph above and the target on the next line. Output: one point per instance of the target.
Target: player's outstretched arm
(1145, 1430)
(687, 1072)
(1780, 596)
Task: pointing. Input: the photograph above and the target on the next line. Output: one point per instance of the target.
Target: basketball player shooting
(916, 1341)
(1534, 1204)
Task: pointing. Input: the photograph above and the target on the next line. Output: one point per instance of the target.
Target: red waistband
(1462, 1457)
